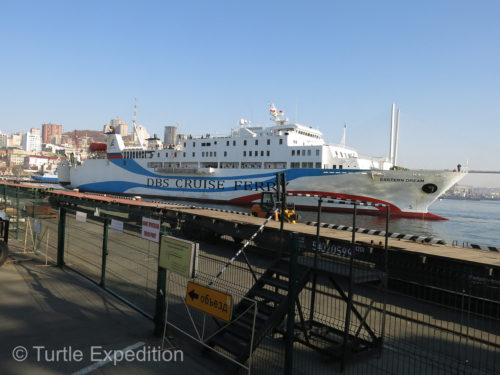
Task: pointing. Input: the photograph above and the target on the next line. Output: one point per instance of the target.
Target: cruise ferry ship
(237, 168)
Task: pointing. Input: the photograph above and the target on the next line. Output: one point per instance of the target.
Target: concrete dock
(50, 315)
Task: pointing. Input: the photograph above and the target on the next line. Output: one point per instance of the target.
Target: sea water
(469, 221)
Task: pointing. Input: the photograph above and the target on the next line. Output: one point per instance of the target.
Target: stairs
(271, 294)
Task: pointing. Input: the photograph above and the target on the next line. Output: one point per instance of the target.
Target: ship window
(215, 153)
(317, 152)
(318, 165)
(340, 166)
(308, 152)
(268, 141)
(295, 165)
(256, 142)
(203, 154)
(336, 153)
(293, 152)
(227, 143)
(281, 141)
(249, 153)
(244, 153)
(268, 153)
(214, 143)
(184, 144)
(193, 154)
(184, 154)
(210, 153)
(234, 143)
(262, 153)
(256, 153)
(225, 152)
(303, 152)
(194, 144)
(245, 142)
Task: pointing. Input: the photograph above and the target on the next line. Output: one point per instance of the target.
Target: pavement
(54, 321)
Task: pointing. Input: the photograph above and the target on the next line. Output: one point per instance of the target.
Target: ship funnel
(115, 143)
(170, 135)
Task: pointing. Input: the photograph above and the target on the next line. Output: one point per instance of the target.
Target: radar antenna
(277, 115)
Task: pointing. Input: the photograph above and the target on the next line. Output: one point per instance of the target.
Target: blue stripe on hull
(155, 180)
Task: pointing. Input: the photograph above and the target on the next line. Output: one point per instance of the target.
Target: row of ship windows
(149, 154)
(304, 152)
(159, 164)
(228, 143)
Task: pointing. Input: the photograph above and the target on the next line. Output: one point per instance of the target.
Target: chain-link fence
(417, 315)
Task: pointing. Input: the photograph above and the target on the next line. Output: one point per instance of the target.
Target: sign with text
(179, 256)
(151, 229)
(210, 301)
(81, 216)
(117, 225)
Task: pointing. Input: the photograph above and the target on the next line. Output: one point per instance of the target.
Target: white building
(16, 140)
(15, 159)
(35, 162)
(32, 142)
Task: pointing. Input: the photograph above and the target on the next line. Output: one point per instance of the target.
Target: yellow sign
(210, 301)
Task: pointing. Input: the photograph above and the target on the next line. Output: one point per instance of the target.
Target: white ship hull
(237, 168)
(402, 190)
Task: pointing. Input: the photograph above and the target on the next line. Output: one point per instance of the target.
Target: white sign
(81, 216)
(37, 226)
(117, 225)
(151, 229)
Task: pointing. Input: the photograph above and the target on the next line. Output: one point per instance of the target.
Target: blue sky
(205, 64)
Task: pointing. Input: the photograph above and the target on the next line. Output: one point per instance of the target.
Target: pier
(327, 300)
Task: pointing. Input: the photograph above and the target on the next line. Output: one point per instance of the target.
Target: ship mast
(391, 147)
(396, 140)
(139, 139)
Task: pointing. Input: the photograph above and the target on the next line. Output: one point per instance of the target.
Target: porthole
(429, 188)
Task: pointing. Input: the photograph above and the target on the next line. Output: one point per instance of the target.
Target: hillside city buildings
(38, 150)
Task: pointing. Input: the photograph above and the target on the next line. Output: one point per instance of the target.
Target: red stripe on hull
(247, 202)
(395, 211)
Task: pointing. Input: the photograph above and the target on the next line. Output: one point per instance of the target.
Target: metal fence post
(60, 236)
(35, 212)
(161, 287)
(292, 295)
(315, 266)
(345, 343)
(17, 212)
(104, 252)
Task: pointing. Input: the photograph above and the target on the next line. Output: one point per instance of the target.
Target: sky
(205, 64)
